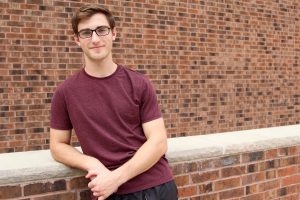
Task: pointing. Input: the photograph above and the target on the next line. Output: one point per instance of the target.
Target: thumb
(91, 174)
(101, 198)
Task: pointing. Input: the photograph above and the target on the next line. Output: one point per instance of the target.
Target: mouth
(96, 47)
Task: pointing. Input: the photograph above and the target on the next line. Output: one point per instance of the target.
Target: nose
(95, 37)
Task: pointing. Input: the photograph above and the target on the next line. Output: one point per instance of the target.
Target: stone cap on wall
(228, 143)
(38, 165)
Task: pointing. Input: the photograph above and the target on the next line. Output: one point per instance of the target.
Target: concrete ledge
(31, 166)
(39, 165)
(215, 145)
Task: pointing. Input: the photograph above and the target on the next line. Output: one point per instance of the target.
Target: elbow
(162, 144)
(163, 147)
(159, 145)
(54, 151)
(53, 154)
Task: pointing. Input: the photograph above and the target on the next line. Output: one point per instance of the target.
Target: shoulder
(68, 83)
(136, 76)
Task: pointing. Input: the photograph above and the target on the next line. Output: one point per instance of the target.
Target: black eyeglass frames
(100, 31)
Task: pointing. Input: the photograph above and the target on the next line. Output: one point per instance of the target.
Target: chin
(98, 58)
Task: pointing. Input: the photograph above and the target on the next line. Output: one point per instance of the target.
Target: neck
(100, 68)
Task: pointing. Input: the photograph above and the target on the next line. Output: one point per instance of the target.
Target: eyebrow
(87, 29)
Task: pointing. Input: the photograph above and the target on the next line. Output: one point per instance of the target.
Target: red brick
(287, 171)
(269, 164)
(205, 176)
(253, 156)
(271, 154)
(227, 184)
(269, 185)
(253, 197)
(233, 171)
(270, 194)
(78, 183)
(239, 192)
(187, 191)
(190, 167)
(290, 180)
(293, 189)
(251, 189)
(205, 188)
(286, 161)
(182, 180)
(206, 197)
(271, 174)
(252, 178)
(13, 191)
(40, 188)
(212, 163)
(291, 197)
(62, 196)
(254, 167)
(283, 151)
(294, 150)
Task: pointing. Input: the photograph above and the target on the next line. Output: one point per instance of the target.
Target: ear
(114, 33)
(76, 39)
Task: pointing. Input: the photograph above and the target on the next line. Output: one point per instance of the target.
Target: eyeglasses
(100, 31)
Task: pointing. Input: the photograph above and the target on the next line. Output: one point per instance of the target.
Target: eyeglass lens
(100, 31)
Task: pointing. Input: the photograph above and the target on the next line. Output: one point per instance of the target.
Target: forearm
(70, 156)
(148, 154)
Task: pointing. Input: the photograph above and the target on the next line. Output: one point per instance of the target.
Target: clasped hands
(103, 183)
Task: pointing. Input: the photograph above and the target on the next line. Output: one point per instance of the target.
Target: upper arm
(155, 129)
(156, 134)
(60, 119)
(149, 107)
(59, 136)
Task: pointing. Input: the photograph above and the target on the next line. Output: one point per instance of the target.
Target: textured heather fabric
(107, 114)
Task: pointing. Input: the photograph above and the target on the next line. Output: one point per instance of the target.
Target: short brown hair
(88, 11)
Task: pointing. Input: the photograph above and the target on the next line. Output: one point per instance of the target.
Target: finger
(93, 177)
(91, 174)
(99, 194)
(88, 175)
(91, 184)
(101, 198)
(96, 194)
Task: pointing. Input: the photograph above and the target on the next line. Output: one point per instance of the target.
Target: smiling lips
(96, 47)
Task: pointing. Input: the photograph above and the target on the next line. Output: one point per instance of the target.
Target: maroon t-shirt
(107, 115)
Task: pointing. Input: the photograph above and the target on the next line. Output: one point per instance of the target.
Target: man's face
(98, 46)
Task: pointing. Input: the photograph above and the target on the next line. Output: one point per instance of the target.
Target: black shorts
(166, 191)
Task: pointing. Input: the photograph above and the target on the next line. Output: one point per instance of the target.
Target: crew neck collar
(105, 77)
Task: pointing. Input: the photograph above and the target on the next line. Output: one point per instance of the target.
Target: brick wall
(264, 175)
(217, 65)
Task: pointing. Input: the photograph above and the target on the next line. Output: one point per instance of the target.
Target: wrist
(121, 174)
(92, 163)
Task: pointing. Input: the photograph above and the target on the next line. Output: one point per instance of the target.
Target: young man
(116, 117)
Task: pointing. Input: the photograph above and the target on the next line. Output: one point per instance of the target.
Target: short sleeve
(149, 105)
(59, 113)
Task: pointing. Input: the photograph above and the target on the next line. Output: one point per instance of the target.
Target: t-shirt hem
(151, 119)
(60, 128)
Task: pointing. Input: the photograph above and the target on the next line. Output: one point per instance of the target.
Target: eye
(85, 33)
(102, 30)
